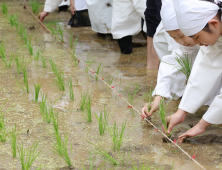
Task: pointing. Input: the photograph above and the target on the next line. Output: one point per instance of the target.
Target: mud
(140, 141)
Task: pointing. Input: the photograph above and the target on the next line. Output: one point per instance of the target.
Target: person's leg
(152, 58)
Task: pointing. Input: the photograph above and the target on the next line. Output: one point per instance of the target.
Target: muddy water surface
(140, 143)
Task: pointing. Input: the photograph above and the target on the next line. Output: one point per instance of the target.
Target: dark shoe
(125, 44)
(63, 8)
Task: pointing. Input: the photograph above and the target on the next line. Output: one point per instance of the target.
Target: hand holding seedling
(175, 119)
(42, 15)
(150, 108)
(196, 130)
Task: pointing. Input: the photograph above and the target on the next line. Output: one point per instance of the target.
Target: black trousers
(152, 16)
(80, 18)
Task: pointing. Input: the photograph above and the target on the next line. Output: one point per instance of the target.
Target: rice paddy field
(56, 114)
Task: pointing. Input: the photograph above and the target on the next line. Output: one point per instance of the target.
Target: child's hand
(196, 130)
(152, 106)
(42, 15)
(72, 7)
(175, 119)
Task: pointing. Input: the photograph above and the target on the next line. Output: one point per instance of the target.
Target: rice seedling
(37, 89)
(113, 78)
(61, 149)
(46, 111)
(43, 61)
(132, 95)
(59, 75)
(34, 5)
(19, 64)
(2, 128)
(140, 166)
(28, 156)
(4, 9)
(37, 55)
(21, 29)
(13, 20)
(83, 99)
(97, 72)
(55, 124)
(163, 114)
(71, 40)
(75, 59)
(91, 164)
(105, 155)
(71, 94)
(2, 53)
(116, 135)
(13, 141)
(87, 114)
(185, 64)
(148, 98)
(25, 38)
(25, 75)
(60, 31)
(30, 47)
(10, 60)
(103, 120)
(75, 44)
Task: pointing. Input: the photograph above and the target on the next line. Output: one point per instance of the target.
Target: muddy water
(141, 143)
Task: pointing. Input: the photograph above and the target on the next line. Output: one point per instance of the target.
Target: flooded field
(127, 74)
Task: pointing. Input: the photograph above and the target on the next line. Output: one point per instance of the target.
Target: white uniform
(204, 82)
(100, 14)
(65, 3)
(162, 42)
(171, 82)
(126, 17)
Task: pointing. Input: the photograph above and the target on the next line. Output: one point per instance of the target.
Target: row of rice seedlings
(34, 5)
(3, 134)
(2, 53)
(4, 8)
(87, 113)
(71, 94)
(13, 20)
(37, 90)
(30, 47)
(185, 65)
(105, 155)
(97, 71)
(113, 78)
(25, 75)
(28, 156)
(163, 114)
(13, 135)
(116, 135)
(103, 120)
(59, 75)
(83, 99)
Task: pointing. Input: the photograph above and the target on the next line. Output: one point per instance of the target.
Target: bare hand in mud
(175, 119)
(42, 15)
(196, 130)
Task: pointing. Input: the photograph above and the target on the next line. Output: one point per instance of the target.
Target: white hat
(168, 16)
(193, 15)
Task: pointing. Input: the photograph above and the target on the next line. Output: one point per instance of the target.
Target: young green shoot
(13, 141)
(97, 72)
(132, 95)
(34, 5)
(25, 75)
(185, 65)
(2, 53)
(30, 47)
(71, 41)
(28, 156)
(75, 44)
(116, 135)
(43, 61)
(71, 94)
(37, 55)
(59, 29)
(46, 112)
(103, 120)
(113, 78)
(4, 9)
(87, 114)
(37, 90)
(13, 20)
(10, 60)
(163, 114)
(148, 97)
(140, 166)
(19, 64)
(3, 134)
(83, 99)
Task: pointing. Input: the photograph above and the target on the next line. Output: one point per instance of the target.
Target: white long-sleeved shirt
(204, 81)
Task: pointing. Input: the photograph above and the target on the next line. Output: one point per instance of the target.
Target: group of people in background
(185, 28)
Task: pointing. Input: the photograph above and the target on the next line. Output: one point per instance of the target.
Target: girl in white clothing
(201, 20)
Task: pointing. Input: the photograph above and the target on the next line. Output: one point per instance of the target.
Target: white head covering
(193, 15)
(168, 16)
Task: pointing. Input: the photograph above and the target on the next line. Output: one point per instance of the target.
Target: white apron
(126, 17)
(100, 14)
(204, 82)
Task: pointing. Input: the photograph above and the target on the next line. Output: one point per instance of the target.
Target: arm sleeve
(205, 78)
(171, 82)
(51, 5)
